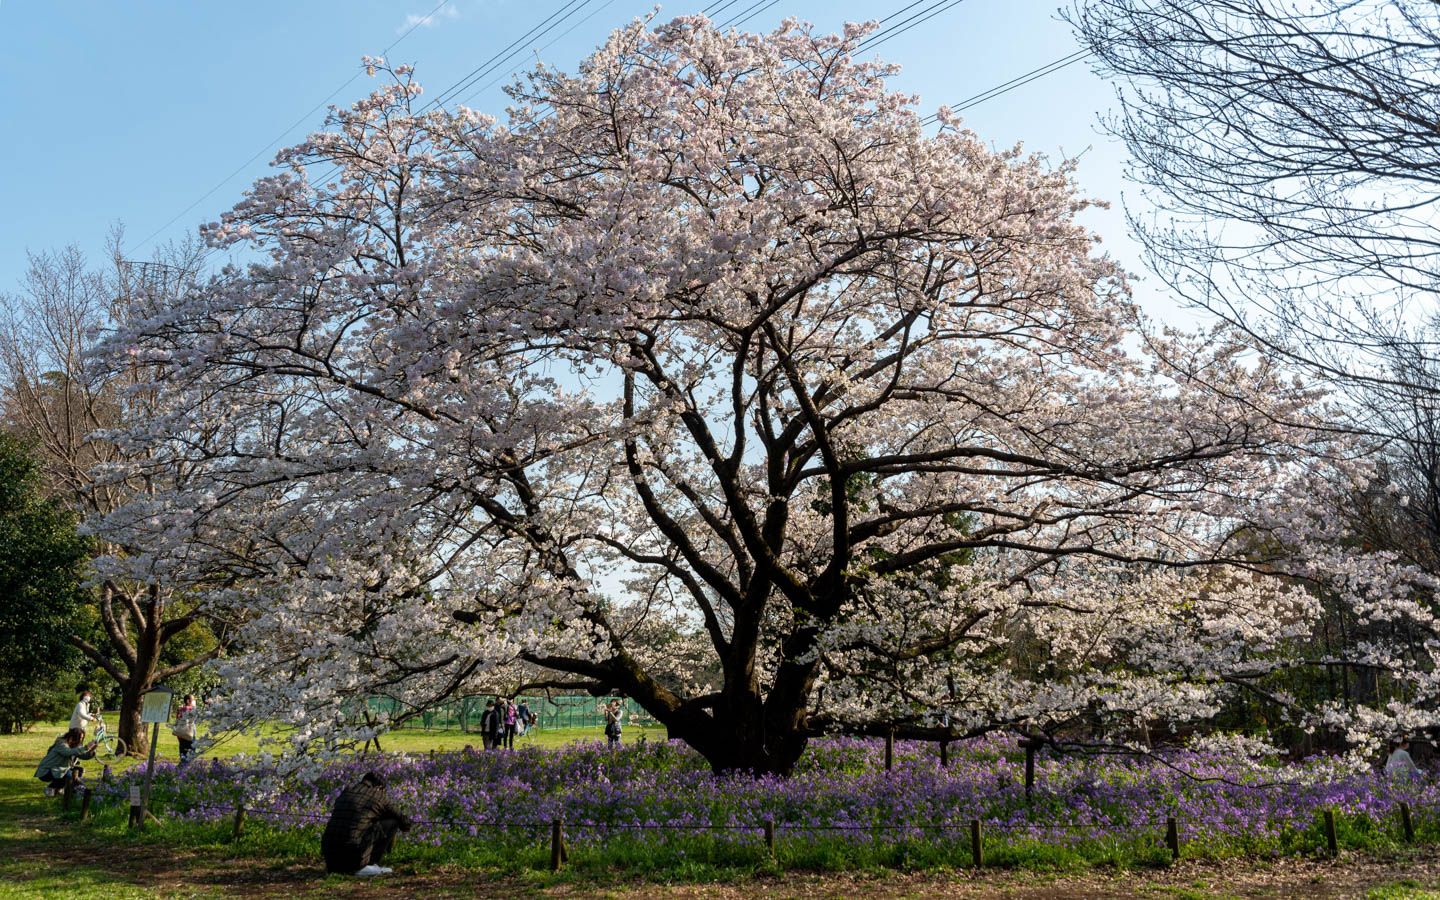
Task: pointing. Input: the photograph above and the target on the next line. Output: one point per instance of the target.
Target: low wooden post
(85, 805)
(1172, 837)
(1029, 770)
(770, 836)
(105, 774)
(68, 795)
(135, 816)
(1406, 824)
(239, 822)
(555, 839)
(944, 754)
(977, 855)
(890, 750)
(1330, 842)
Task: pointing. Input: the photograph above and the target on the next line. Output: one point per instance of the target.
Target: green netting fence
(580, 711)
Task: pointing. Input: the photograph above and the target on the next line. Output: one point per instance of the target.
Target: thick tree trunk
(132, 732)
(755, 754)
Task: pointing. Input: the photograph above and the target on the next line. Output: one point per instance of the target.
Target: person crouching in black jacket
(362, 827)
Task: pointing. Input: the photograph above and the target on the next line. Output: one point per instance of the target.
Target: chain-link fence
(580, 711)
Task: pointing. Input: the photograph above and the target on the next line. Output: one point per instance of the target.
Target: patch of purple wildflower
(840, 791)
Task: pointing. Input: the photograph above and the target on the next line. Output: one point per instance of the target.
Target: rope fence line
(767, 828)
(1003, 825)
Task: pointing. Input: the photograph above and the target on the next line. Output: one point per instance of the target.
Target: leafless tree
(1288, 155)
(54, 395)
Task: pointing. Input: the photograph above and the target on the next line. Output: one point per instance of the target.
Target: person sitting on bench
(361, 829)
(58, 769)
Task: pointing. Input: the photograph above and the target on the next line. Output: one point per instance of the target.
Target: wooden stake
(555, 839)
(976, 848)
(1330, 841)
(1406, 824)
(770, 836)
(1029, 770)
(149, 775)
(68, 795)
(85, 805)
(890, 750)
(239, 822)
(944, 754)
(1172, 837)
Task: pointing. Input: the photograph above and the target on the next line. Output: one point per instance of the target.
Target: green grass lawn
(44, 853)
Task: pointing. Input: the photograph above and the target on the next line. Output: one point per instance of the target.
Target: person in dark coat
(362, 827)
(487, 725)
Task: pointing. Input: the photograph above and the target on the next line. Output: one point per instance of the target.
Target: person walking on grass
(511, 718)
(614, 723)
(487, 725)
(362, 829)
(184, 729)
(81, 717)
(58, 769)
(524, 716)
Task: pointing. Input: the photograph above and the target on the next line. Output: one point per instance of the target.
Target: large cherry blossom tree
(711, 358)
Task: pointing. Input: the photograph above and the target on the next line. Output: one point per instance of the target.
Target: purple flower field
(658, 793)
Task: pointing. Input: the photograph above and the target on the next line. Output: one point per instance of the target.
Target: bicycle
(108, 747)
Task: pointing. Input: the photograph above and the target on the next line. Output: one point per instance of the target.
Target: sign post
(154, 711)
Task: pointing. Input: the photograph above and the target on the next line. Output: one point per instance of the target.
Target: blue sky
(134, 111)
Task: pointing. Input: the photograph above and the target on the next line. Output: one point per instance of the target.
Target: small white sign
(134, 795)
(155, 708)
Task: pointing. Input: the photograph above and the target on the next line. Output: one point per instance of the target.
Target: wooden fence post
(555, 839)
(239, 822)
(944, 754)
(85, 805)
(1172, 837)
(770, 836)
(1330, 842)
(68, 795)
(1029, 770)
(890, 750)
(1406, 824)
(977, 855)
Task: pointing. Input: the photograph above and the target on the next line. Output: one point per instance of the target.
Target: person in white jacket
(82, 716)
(1400, 765)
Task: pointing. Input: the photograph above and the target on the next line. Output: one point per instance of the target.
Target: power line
(1016, 82)
(546, 25)
(558, 38)
(293, 125)
(899, 28)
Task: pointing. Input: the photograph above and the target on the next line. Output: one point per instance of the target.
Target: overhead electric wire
(499, 58)
(480, 71)
(920, 18)
(570, 8)
(1016, 82)
(293, 125)
(557, 39)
